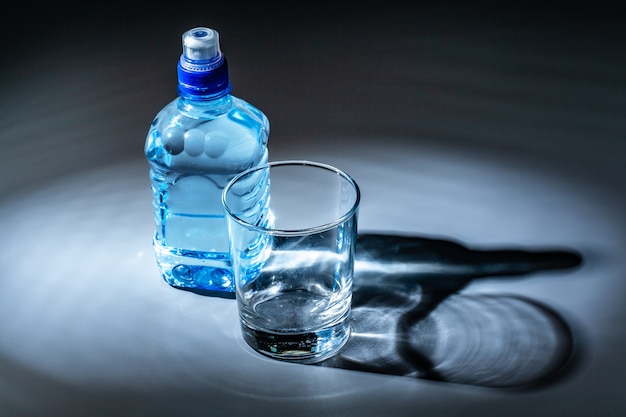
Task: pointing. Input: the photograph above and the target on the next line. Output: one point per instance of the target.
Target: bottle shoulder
(244, 106)
(185, 113)
(232, 131)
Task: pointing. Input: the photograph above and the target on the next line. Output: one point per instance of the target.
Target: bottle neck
(205, 107)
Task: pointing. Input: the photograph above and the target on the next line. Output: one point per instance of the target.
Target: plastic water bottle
(195, 145)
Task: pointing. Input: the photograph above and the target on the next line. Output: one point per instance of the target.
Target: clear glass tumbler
(293, 229)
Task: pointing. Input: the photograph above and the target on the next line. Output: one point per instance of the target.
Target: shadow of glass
(409, 317)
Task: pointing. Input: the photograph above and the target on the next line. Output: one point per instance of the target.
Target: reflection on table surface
(409, 316)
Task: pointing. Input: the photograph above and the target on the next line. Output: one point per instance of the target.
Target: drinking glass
(292, 233)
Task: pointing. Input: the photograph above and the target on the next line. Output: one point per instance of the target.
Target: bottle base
(203, 280)
(200, 285)
(206, 275)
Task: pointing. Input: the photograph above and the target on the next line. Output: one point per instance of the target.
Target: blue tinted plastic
(194, 146)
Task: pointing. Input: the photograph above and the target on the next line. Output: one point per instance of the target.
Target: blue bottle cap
(202, 68)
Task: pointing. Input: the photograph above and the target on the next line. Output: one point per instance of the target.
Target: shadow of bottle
(410, 318)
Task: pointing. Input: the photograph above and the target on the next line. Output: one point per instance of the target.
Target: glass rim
(294, 232)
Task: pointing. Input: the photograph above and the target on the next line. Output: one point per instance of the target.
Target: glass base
(307, 348)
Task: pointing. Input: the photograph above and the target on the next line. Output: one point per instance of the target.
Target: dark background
(454, 72)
